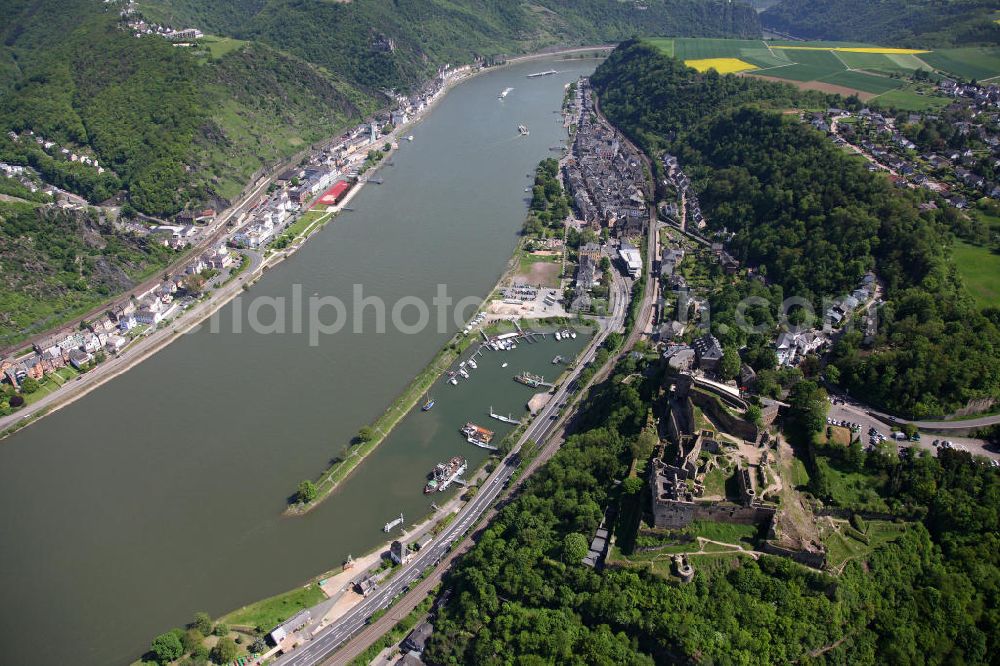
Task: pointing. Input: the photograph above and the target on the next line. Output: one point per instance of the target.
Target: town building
(632, 259)
(708, 351)
(293, 624)
(399, 553)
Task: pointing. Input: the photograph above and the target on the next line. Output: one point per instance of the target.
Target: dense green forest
(218, 17)
(178, 126)
(56, 264)
(913, 23)
(813, 220)
(170, 125)
(521, 594)
(340, 36)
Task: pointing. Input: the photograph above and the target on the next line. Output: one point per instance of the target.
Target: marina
(87, 541)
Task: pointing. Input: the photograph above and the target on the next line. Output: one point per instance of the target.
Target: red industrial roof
(332, 195)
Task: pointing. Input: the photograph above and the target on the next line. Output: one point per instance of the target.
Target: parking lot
(840, 412)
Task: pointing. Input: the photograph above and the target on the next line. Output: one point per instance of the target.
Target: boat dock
(393, 524)
(504, 419)
(534, 381)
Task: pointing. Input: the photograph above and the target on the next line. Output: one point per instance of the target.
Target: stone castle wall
(677, 514)
(722, 418)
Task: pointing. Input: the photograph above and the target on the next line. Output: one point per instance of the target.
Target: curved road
(435, 558)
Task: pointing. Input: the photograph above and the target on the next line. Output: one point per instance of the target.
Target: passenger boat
(504, 93)
(522, 130)
(444, 474)
(478, 435)
(548, 72)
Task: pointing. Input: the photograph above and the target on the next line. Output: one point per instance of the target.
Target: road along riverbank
(148, 345)
(163, 491)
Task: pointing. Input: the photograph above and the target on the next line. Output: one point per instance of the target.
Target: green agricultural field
(888, 63)
(910, 99)
(969, 62)
(752, 51)
(777, 43)
(863, 82)
(810, 65)
(665, 45)
(697, 49)
(864, 72)
(980, 269)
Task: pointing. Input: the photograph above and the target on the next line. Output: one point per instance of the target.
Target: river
(160, 494)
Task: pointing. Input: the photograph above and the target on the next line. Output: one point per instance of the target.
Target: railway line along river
(160, 494)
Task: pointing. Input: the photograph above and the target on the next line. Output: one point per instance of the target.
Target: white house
(78, 358)
(148, 316)
(127, 323)
(114, 344)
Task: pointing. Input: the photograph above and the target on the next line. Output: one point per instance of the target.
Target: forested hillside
(340, 35)
(813, 220)
(521, 595)
(214, 16)
(177, 126)
(170, 125)
(55, 264)
(913, 23)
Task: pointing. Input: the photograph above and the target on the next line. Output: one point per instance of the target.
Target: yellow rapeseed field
(856, 49)
(721, 65)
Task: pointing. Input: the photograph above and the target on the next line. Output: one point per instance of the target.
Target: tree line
(522, 595)
(812, 220)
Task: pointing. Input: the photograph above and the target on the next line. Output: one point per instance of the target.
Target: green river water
(160, 494)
